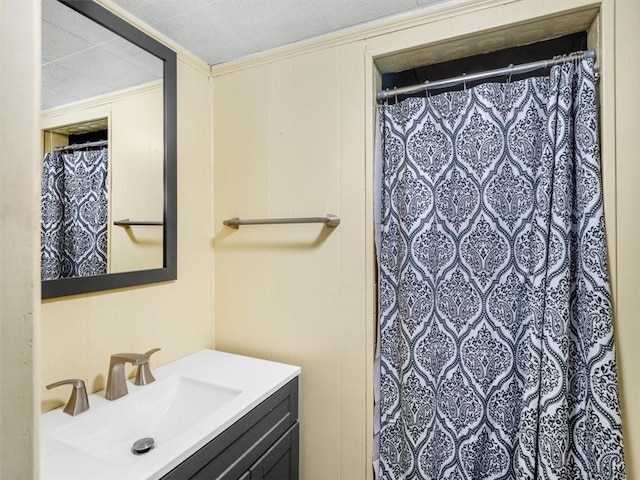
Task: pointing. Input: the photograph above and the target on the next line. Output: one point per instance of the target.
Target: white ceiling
(82, 60)
(221, 30)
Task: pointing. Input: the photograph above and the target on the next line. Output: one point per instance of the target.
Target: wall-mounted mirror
(109, 213)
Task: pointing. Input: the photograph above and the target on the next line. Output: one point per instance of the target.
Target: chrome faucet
(117, 381)
(78, 402)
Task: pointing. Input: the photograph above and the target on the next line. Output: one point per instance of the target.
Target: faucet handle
(144, 375)
(78, 402)
(131, 358)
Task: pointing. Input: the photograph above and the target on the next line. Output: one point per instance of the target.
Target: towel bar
(330, 221)
(128, 223)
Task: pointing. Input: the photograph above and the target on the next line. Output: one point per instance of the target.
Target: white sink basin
(161, 410)
(193, 400)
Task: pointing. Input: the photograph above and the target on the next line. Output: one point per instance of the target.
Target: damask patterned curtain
(496, 356)
(74, 214)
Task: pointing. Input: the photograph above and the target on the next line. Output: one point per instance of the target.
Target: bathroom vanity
(262, 445)
(211, 415)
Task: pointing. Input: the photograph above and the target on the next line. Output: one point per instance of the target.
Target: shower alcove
(492, 28)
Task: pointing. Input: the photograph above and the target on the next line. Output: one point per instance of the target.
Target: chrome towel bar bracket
(330, 221)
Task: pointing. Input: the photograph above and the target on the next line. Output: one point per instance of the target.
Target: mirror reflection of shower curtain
(74, 208)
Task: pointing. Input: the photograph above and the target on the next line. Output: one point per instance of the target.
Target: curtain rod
(510, 70)
(77, 146)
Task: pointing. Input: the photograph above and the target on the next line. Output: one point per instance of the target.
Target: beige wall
(627, 146)
(289, 141)
(136, 188)
(19, 239)
(293, 137)
(80, 333)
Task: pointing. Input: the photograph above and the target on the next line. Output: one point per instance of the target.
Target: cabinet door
(280, 462)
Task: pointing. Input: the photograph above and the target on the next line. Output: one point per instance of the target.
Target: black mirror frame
(77, 285)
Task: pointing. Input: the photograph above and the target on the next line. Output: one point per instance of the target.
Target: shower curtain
(496, 356)
(74, 209)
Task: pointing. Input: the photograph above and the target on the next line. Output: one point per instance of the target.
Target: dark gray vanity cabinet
(280, 462)
(262, 445)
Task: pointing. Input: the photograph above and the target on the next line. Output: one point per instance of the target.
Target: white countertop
(253, 379)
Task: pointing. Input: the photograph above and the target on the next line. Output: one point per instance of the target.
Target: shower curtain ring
(464, 82)
(510, 73)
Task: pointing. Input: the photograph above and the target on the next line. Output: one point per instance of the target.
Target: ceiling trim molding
(99, 100)
(397, 23)
(183, 54)
(390, 24)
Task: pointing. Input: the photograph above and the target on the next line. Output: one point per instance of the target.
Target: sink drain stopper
(143, 445)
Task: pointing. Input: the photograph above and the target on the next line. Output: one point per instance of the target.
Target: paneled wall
(80, 333)
(288, 142)
(290, 124)
(136, 190)
(627, 146)
(19, 238)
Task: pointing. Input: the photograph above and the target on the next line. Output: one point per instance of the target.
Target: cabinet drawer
(232, 453)
(280, 462)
